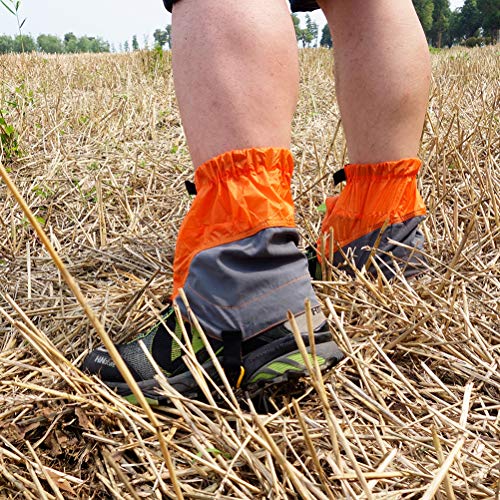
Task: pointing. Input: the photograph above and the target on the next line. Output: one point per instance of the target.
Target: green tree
(306, 38)
(104, 45)
(92, 44)
(83, 44)
(160, 38)
(425, 9)
(312, 30)
(326, 37)
(296, 26)
(6, 44)
(98, 45)
(440, 22)
(50, 44)
(24, 43)
(168, 31)
(126, 46)
(135, 43)
(454, 30)
(70, 43)
(470, 19)
(308, 35)
(489, 11)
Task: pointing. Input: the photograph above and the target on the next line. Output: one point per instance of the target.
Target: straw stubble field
(412, 411)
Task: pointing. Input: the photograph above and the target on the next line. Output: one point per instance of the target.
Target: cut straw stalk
(45, 473)
(442, 474)
(443, 471)
(317, 381)
(303, 486)
(208, 347)
(113, 352)
(310, 446)
(439, 450)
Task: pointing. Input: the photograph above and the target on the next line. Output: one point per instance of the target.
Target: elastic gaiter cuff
(376, 196)
(236, 256)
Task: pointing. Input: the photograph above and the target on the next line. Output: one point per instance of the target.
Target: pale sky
(113, 20)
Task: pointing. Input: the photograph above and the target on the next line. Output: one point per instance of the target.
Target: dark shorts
(295, 5)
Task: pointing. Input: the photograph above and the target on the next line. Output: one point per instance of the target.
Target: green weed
(8, 139)
(42, 191)
(13, 7)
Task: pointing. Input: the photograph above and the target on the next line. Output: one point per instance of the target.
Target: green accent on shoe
(197, 341)
(262, 376)
(176, 343)
(153, 328)
(280, 367)
(271, 358)
(297, 357)
(132, 399)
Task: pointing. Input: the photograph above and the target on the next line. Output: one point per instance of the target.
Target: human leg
(382, 77)
(236, 74)
(236, 78)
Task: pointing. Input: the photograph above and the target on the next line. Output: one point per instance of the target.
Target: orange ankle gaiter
(375, 194)
(236, 256)
(238, 194)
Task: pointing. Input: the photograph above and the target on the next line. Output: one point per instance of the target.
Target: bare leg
(382, 76)
(236, 74)
(236, 78)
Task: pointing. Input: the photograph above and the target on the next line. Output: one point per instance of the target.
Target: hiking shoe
(268, 359)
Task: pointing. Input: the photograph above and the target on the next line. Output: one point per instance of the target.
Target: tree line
(477, 22)
(52, 44)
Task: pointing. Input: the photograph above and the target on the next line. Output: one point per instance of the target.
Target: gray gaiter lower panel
(410, 260)
(250, 284)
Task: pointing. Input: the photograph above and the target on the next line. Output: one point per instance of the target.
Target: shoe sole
(284, 369)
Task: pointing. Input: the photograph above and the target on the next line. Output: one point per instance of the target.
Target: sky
(112, 20)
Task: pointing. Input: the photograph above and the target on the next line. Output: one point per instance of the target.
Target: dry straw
(413, 412)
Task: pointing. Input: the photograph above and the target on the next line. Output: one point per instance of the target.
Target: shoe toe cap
(99, 362)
